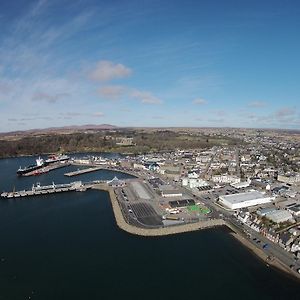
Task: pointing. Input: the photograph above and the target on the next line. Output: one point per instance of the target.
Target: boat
(53, 158)
(39, 164)
(40, 171)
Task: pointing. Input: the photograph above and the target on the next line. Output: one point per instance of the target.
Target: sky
(149, 63)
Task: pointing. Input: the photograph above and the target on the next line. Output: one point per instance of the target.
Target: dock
(83, 171)
(38, 189)
(47, 169)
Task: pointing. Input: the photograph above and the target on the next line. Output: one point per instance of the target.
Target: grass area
(198, 208)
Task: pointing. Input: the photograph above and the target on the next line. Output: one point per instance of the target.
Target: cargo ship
(39, 164)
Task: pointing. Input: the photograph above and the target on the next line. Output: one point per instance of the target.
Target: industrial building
(279, 216)
(170, 191)
(246, 199)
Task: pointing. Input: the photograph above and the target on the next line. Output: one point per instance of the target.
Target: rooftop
(243, 197)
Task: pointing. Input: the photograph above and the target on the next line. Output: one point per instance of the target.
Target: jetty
(39, 189)
(47, 169)
(83, 171)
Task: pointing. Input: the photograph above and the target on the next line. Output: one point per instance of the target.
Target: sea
(67, 246)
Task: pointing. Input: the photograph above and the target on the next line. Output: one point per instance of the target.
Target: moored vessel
(39, 164)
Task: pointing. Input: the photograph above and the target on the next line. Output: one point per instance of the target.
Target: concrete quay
(83, 171)
(107, 167)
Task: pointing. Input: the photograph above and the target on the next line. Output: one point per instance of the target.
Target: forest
(143, 141)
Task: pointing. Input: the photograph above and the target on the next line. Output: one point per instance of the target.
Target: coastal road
(272, 249)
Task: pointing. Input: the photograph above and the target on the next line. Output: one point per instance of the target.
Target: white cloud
(257, 104)
(106, 70)
(199, 101)
(98, 114)
(42, 96)
(145, 97)
(111, 91)
(285, 112)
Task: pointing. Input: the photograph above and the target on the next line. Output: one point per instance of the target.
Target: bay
(67, 246)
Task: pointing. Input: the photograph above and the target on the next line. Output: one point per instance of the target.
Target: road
(273, 249)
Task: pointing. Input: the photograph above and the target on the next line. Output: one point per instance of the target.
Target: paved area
(146, 214)
(140, 190)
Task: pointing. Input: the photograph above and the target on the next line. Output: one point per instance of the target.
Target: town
(252, 186)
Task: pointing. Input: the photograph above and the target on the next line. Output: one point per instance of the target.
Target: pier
(107, 167)
(83, 171)
(38, 189)
(47, 169)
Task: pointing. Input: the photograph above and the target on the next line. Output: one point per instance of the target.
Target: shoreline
(274, 262)
(121, 223)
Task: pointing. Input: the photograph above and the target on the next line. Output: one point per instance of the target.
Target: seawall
(153, 231)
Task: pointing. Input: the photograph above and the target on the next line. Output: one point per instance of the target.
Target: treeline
(143, 142)
(34, 145)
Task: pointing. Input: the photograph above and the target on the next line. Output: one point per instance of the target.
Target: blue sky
(149, 63)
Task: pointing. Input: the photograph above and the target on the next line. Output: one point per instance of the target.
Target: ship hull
(28, 169)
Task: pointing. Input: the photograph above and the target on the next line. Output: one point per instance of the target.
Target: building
(246, 199)
(124, 141)
(194, 182)
(225, 178)
(169, 191)
(295, 210)
(240, 185)
(279, 216)
(290, 178)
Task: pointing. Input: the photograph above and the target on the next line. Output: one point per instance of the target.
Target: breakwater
(176, 229)
(153, 231)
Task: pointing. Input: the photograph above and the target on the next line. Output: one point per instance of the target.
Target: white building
(290, 178)
(239, 185)
(171, 193)
(225, 179)
(246, 199)
(193, 182)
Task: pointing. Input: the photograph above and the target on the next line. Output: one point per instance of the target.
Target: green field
(198, 208)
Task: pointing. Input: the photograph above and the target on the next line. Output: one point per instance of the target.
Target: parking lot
(136, 200)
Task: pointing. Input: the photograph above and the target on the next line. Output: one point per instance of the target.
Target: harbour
(91, 219)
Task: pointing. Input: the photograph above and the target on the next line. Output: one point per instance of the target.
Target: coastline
(121, 223)
(274, 262)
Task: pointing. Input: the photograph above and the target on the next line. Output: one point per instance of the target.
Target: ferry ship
(53, 158)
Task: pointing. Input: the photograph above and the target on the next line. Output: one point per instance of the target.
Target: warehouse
(279, 216)
(242, 200)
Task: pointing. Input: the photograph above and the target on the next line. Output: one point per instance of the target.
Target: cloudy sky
(149, 63)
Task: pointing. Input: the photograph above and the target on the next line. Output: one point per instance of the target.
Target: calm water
(67, 246)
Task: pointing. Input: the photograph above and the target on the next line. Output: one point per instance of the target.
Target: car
(265, 246)
(130, 210)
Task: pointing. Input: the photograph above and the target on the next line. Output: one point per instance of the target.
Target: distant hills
(63, 129)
